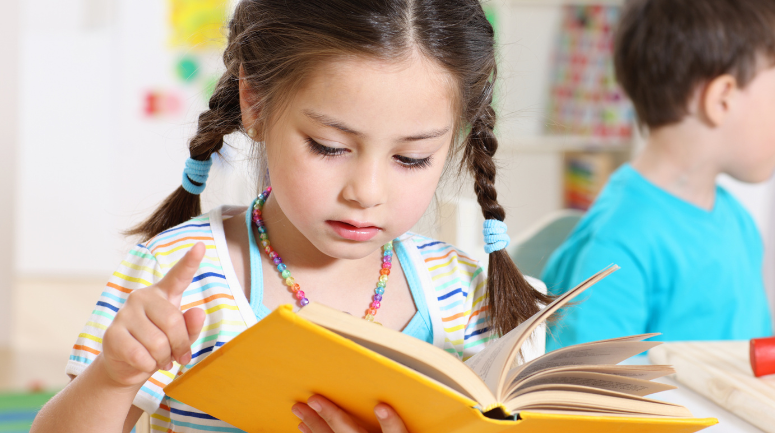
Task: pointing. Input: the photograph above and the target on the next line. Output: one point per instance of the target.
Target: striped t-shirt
(448, 288)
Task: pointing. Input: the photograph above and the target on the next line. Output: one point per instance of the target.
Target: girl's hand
(149, 331)
(321, 416)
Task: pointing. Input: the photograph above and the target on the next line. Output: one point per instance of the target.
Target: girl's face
(355, 157)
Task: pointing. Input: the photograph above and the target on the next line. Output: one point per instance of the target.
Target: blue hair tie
(495, 236)
(196, 171)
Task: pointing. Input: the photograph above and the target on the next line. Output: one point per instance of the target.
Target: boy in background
(701, 75)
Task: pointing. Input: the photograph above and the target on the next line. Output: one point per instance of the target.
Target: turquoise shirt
(686, 272)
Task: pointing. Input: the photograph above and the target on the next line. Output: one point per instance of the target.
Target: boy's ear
(246, 102)
(717, 99)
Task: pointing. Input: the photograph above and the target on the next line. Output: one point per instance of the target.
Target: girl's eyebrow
(333, 123)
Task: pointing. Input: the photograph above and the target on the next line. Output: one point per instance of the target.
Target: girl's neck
(682, 162)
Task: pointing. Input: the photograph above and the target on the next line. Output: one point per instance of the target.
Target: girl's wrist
(101, 376)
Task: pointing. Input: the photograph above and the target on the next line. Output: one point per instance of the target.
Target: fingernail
(297, 413)
(381, 412)
(315, 405)
(186, 358)
(168, 367)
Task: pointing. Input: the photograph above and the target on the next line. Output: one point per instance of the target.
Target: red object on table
(763, 356)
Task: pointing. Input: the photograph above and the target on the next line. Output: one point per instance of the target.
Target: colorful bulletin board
(584, 97)
(198, 24)
(586, 101)
(197, 31)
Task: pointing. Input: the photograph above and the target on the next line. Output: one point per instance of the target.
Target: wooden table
(715, 379)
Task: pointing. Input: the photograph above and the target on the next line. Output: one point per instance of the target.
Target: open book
(288, 357)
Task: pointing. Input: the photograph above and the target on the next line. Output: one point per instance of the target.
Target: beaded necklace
(387, 259)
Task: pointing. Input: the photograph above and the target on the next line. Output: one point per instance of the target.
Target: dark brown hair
(278, 43)
(665, 49)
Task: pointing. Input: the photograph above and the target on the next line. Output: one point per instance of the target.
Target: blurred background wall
(98, 98)
(9, 133)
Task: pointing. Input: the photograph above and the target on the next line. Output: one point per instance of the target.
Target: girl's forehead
(373, 93)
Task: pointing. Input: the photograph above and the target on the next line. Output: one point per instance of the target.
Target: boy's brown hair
(665, 49)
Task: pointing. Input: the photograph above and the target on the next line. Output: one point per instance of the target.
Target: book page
(643, 372)
(493, 363)
(573, 397)
(418, 355)
(488, 363)
(608, 352)
(607, 382)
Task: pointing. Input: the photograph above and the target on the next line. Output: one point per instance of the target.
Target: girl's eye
(330, 152)
(413, 163)
(324, 151)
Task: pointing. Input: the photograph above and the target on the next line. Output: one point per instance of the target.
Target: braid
(222, 118)
(511, 298)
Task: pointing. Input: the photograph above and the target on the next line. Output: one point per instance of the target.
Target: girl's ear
(247, 102)
(718, 98)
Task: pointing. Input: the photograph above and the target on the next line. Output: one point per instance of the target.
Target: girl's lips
(352, 232)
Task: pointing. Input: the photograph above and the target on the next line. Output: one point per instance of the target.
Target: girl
(355, 107)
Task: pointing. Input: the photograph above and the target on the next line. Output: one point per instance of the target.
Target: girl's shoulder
(172, 244)
(443, 261)
(433, 249)
(454, 285)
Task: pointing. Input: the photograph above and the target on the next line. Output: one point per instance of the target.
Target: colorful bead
(387, 256)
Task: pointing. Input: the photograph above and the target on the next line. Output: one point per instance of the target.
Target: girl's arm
(148, 332)
(92, 402)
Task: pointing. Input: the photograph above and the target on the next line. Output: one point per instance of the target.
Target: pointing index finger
(179, 277)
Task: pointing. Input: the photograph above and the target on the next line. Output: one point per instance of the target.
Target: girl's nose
(366, 184)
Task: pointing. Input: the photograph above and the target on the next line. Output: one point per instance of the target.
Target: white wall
(90, 163)
(9, 64)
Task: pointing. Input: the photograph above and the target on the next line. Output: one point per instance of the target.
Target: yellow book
(252, 381)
